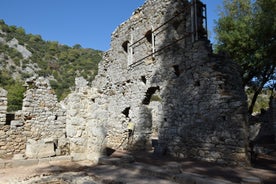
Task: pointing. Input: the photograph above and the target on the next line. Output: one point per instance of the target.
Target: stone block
(78, 156)
(18, 157)
(16, 123)
(39, 149)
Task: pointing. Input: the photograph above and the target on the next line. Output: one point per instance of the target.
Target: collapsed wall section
(42, 110)
(40, 124)
(168, 82)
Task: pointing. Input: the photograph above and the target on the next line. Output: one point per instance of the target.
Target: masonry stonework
(160, 73)
(164, 79)
(40, 119)
(3, 106)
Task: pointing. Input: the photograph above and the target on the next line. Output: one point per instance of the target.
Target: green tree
(246, 33)
(15, 96)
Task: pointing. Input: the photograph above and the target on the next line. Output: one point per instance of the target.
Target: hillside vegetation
(26, 55)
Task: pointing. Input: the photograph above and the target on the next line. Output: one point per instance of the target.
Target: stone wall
(13, 140)
(159, 73)
(85, 122)
(42, 110)
(3, 106)
(170, 84)
(41, 118)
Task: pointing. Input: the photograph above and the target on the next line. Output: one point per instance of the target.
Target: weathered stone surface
(159, 73)
(39, 149)
(173, 87)
(3, 106)
(22, 49)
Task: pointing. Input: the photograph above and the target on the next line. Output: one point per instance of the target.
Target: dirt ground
(264, 168)
(64, 172)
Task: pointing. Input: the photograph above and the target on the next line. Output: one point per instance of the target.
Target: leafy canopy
(246, 32)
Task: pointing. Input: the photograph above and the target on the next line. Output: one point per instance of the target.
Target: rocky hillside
(26, 55)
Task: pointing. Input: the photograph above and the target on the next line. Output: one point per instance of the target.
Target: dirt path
(145, 169)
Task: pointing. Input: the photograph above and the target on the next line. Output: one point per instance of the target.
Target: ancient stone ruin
(161, 74)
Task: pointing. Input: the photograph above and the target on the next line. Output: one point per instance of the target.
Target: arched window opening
(197, 83)
(176, 70)
(143, 79)
(9, 118)
(126, 112)
(125, 46)
(149, 94)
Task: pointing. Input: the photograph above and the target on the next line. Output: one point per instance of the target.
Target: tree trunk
(254, 99)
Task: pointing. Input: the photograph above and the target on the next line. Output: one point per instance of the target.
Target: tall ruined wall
(160, 77)
(161, 74)
(85, 121)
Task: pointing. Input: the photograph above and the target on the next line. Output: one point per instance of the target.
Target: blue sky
(85, 22)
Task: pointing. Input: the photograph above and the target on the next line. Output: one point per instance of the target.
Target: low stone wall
(13, 140)
(41, 118)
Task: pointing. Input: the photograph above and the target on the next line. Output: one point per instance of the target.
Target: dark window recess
(109, 151)
(126, 111)
(148, 36)
(143, 79)
(197, 83)
(125, 46)
(55, 144)
(9, 118)
(176, 70)
(149, 93)
(176, 24)
(93, 100)
(56, 117)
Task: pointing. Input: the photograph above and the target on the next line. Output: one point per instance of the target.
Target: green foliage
(246, 32)
(61, 61)
(15, 90)
(262, 101)
(155, 98)
(15, 96)
(5, 78)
